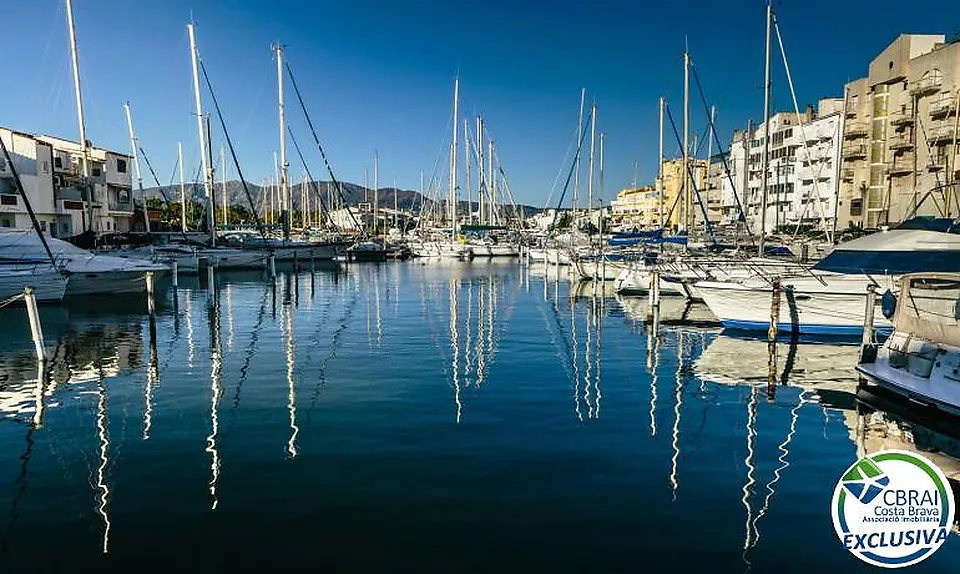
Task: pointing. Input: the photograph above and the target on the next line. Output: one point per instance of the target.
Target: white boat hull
(49, 284)
(115, 282)
(830, 310)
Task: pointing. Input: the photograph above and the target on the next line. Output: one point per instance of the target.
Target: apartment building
(900, 147)
(50, 170)
(635, 207)
(673, 190)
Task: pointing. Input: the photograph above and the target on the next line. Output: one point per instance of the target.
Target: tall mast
(213, 199)
(453, 158)
(395, 206)
(491, 185)
(685, 212)
(275, 190)
(466, 167)
(284, 182)
(376, 192)
(706, 173)
(766, 135)
(84, 152)
(201, 133)
(593, 142)
(660, 169)
(183, 190)
(600, 199)
(838, 161)
(576, 172)
(223, 187)
(481, 184)
(136, 166)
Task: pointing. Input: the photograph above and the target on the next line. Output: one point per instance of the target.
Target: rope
(723, 157)
(233, 154)
(323, 155)
(573, 166)
(313, 184)
(11, 300)
(703, 210)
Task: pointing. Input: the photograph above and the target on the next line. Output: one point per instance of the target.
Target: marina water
(441, 417)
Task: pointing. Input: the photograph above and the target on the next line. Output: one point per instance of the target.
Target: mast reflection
(216, 391)
(291, 382)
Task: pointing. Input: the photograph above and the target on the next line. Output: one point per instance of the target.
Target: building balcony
(929, 85)
(901, 142)
(855, 130)
(854, 151)
(940, 134)
(937, 163)
(846, 175)
(850, 111)
(902, 118)
(125, 207)
(903, 165)
(943, 107)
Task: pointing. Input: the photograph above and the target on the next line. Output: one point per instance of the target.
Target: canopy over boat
(907, 249)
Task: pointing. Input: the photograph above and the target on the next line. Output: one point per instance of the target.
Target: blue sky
(379, 75)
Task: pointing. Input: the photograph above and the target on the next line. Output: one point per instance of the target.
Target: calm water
(439, 417)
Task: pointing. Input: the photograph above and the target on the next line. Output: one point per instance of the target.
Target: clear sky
(378, 75)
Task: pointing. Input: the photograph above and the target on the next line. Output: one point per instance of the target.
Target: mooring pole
(151, 304)
(868, 351)
(30, 298)
(772, 339)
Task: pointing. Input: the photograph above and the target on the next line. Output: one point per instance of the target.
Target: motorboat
(49, 283)
(921, 358)
(88, 273)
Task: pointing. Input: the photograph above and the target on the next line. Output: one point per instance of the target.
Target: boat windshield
(929, 307)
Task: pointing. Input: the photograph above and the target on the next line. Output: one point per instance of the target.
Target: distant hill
(354, 194)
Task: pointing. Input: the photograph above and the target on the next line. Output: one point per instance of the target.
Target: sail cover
(896, 252)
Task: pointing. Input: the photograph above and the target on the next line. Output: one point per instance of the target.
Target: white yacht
(89, 274)
(49, 283)
(921, 359)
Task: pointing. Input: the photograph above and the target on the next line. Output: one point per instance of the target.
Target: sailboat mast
(766, 135)
(706, 173)
(593, 147)
(223, 186)
(376, 193)
(136, 166)
(453, 159)
(183, 190)
(660, 169)
(491, 185)
(84, 152)
(284, 182)
(201, 133)
(395, 203)
(466, 168)
(213, 193)
(481, 185)
(576, 172)
(685, 212)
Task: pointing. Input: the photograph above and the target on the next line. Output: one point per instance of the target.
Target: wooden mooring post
(868, 349)
(772, 339)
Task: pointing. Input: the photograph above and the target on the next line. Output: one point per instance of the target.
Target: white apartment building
(50, 170)
(801, 177)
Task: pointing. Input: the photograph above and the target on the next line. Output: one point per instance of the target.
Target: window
(45, 166)
(43, 226)
(58, 162)
(8, 199)
(856, 207)
(121, 165)
(73, 204)
(96, 172)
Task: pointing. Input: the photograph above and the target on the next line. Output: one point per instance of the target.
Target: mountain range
(353, 194)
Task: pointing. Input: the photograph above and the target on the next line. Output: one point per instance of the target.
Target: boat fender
(888, 304)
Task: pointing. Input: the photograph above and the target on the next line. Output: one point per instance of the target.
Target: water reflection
(216, 391)
(681, 404)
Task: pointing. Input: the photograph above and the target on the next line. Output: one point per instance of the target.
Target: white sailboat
(89, 274)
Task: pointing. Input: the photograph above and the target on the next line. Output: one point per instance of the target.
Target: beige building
(635, 207)
(900, 152)
(673, 180)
